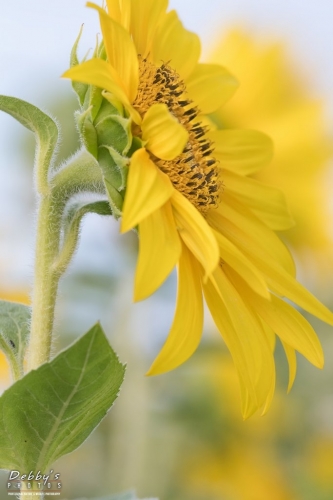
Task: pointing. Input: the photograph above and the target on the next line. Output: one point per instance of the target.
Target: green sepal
(45, 130)
(116, 163)
(137, 143)
(106, 109)
(79, 88)
(14, 334)
(116, 200)
(101, 51)
(52, 410)
(96, 100)
(114, 131)
(71, 228)
(115, 103)
(87, 131)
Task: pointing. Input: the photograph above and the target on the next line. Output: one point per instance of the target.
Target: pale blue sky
(36, 36)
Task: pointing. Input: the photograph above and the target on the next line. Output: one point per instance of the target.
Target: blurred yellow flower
(273, 98)
(217, 225)
(21, 296)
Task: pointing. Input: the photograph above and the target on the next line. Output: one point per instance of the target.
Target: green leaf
(71, 226)
(53, 409)
(45, 130)
(14, 334)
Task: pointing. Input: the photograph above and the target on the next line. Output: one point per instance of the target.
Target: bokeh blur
(180, 436)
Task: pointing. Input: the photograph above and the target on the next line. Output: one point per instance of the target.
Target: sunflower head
(188, 186)
(152, 98)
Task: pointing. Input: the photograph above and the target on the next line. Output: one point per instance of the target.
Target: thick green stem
(81, 174)
(46, 282)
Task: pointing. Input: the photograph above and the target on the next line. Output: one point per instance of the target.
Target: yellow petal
(277, 272)
(121, 52)
(242, 151)
(244, 317)
(270, 394)
(186, 330)
(268, 203)
(237, 349)
(230, 254)
(159, 251)
(147, 190)
(196, 233)
(287, 323)
(145, 19)
(250, 235)
(210, 86)
(292, 363)
(296, 331)
(175, 45)
(129, 108)
(285, 285)
(114, 10)
(101, 74)
(244, 337)
(270, 335)
(120, 12)
(165, 137)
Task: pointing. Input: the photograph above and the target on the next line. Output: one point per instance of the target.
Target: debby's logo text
(27, 483)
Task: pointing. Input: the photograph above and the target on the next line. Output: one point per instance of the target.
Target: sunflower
(273, 98)
(191, 195)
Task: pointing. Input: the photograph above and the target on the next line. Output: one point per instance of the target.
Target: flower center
(195, 172)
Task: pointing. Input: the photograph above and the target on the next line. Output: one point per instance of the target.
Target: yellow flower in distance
(191, 195)
(273, 98)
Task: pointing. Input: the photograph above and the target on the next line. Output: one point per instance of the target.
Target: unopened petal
(164, 136)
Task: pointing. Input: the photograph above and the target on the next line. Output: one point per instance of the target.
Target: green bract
(105, 132)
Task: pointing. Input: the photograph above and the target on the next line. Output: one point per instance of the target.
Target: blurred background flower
(180, 436)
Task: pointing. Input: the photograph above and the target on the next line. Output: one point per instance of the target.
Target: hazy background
(179, 436)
